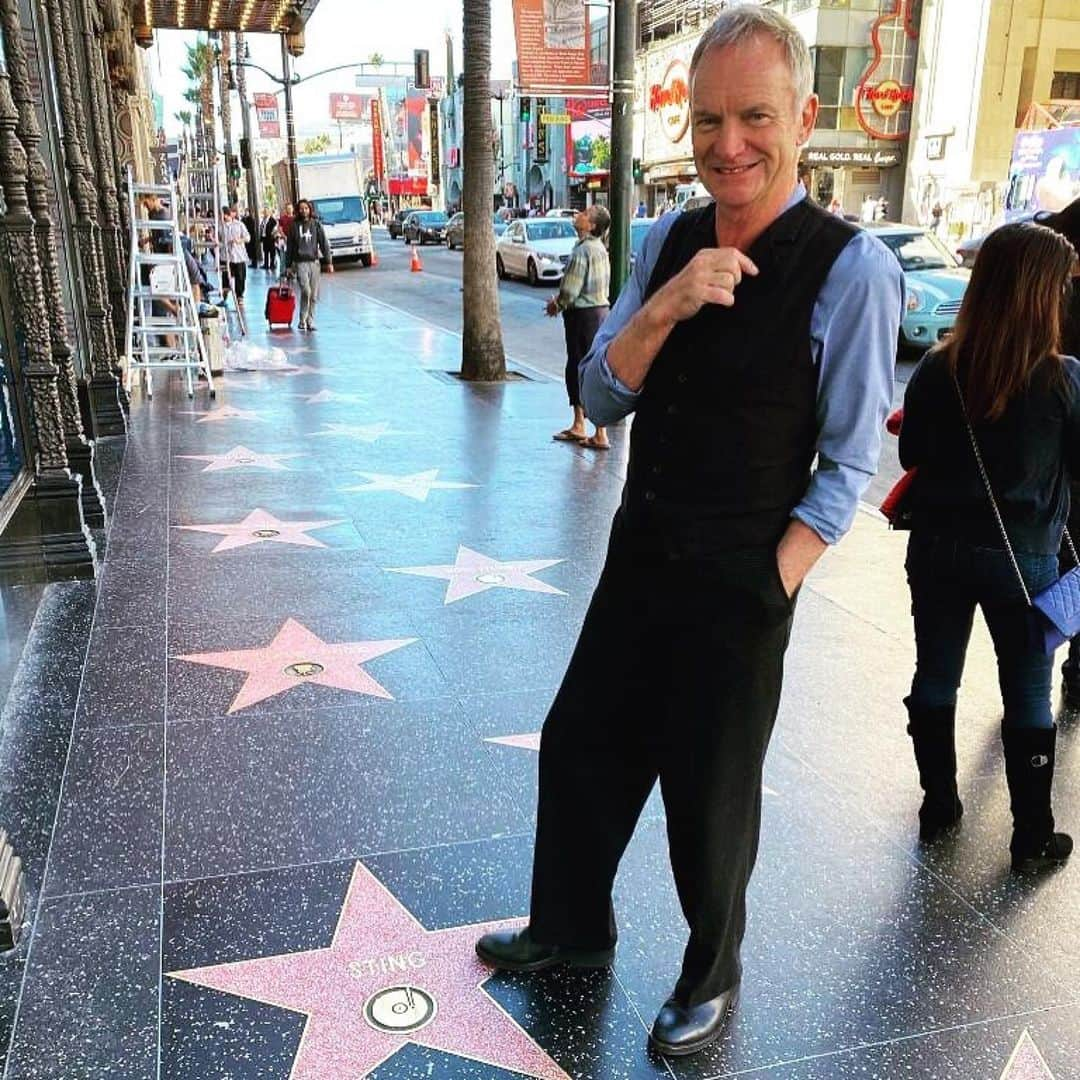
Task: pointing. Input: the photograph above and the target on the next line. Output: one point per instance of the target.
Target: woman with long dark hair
(999, 389)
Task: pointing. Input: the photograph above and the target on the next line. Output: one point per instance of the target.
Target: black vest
(726, 424)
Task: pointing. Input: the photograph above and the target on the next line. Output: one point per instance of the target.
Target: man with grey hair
(756, 334)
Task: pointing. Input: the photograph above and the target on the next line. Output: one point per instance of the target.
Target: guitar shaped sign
(885, 93)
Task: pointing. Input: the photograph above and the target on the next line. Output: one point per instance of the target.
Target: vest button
(672, 410)
(657, 470)
(682, 377)
(650, 496)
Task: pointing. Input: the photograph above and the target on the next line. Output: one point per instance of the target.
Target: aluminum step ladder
(202, 220)
(162, 330)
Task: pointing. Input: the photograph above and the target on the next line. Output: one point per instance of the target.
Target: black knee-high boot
(1029, 769)
(1070, 675)
(933, 734)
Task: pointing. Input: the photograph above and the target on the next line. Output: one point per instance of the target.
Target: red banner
(346, 106)
(552, 44)
(266, 108)
(378, 160)
(408, 185)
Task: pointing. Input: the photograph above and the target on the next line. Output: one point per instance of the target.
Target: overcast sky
(340, 31)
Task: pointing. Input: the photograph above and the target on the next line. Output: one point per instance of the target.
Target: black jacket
(307, 242)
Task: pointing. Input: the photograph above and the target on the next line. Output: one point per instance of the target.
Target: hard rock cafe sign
(884, 96)
(670, 99)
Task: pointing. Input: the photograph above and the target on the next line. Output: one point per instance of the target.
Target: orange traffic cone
(416, 265)
(374, 257)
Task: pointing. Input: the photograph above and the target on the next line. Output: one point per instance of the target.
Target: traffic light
(526, 110)
(233, 165)
(639, 174)
(245, 152)
(421, 69)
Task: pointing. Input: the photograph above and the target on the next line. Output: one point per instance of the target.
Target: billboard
(347, 106)
(552, 45)
(1044, 173)
(266, 108)
(589, 138)
(667, 102)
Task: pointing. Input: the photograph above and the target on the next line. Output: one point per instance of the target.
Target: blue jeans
(948, 579)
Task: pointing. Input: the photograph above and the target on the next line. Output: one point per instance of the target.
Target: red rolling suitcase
(280, 304)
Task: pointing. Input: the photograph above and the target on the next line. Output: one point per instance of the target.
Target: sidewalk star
(384, 981)
(261, 526)
(412, 485)
(529, 741)
(295, 656)
(298, 369)
(325, 396)
(240, 457)
(368, 433)
(475, 573)
(1025, 1062)
(226, 412)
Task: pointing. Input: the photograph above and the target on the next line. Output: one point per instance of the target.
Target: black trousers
(579, 326)
(676, 676)
(238, 277)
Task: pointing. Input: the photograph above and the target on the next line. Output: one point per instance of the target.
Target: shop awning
(250, 16)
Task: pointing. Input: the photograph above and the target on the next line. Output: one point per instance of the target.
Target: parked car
(537, 249)
(455, 230)
(425, 225)
(966, 250)
(561, 211)
(934, 279)
(396, 223)
(639, 229)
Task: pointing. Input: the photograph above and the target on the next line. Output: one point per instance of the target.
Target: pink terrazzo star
(260, 527)
(530, 741)
(1026, 1063)
(475, 573)
(226, 412)
(325, 397)
(384, 982)
(296, 656)
(240, 457)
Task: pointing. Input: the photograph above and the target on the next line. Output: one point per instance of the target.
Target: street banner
(266, 108)
(378, 160)
(542, 132)
(552, 45)
(433, 139)
(346, 106)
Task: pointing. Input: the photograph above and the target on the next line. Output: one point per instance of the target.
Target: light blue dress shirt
(853, 336)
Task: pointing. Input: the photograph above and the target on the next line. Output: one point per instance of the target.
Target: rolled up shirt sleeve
(854, 331)
(604, 397)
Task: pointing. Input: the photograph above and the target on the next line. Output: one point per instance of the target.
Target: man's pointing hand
(710, 277)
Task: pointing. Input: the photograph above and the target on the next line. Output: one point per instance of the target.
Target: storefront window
(829, 85)
(1066, 86)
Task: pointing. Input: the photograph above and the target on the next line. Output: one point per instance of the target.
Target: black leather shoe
(686, 1029)
(514, 950)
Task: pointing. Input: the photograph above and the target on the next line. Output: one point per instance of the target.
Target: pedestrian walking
(1066, 222)
(235, 237)
(268, 231)
(247, 218)
(935, 217)
(992, 422)
(307, 248)
(641, 211)
(285, 221)
(755, 332)
(583, 301)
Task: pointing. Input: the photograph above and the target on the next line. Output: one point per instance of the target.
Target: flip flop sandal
(568, 436)
(591, 444)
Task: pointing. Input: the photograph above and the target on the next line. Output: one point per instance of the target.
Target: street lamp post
(622, 134)
(290, 122)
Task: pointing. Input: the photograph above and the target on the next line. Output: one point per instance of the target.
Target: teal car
(934, 280)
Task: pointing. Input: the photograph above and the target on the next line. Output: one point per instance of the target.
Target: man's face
(304, 211)
(583, 223)
(747, 125)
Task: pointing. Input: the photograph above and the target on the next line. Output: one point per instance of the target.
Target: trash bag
(244, 355)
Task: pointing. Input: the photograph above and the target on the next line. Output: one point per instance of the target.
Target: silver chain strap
(993, 501)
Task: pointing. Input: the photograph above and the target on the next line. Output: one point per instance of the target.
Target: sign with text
(552, 44)
(862, 158)
(554, 118)
(433, 141)
(266, 108)
(378, 161)
(347, 106)
(541, 132)
(667, 103)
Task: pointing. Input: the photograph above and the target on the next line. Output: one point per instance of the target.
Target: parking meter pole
(622, 138)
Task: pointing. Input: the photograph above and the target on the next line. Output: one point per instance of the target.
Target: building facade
(987, 69)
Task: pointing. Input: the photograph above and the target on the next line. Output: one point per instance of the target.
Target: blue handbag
(1056, 610)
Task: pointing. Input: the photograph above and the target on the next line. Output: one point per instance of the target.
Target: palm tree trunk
(482, 356)
(231, 184)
